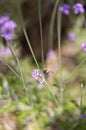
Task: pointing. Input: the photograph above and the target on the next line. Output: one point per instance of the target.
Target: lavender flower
(38, 76)
(4, 19)
(78, 8)
(65, 9)
(35, 73)
(7, 30)
(84, 46)
(5, 51)
(50, 53)
(71, 36)
(41, 80)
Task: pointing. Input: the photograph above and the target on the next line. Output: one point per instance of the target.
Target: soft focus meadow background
(42, 65)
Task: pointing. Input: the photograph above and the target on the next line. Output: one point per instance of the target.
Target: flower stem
(25, 33)
(20, 71)
(51, 28)
(76, 69)
(41, 34)
(59, 54)
(82, 98)
(51, 91)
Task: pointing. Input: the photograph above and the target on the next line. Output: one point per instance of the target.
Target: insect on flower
(46, 72)
(40, 75)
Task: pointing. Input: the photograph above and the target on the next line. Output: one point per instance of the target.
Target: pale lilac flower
(35, 73)
(65, 9)
(84, 46)
(38, 76)
(78, 8)
(50, 53)
(71, 36)
(5, 51)
(83, 116)
(41, 80)
(7, 30)
(4, 19)
(15, 98)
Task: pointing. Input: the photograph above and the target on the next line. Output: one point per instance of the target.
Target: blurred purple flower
(38, 76)
(5, 51)
(15, 98)
(65, 9)
(7, 30)
(4, 19)
(41, 80)
(84, 46)
(35, 73)
(78, 8)
(50, 53)
(71, 36)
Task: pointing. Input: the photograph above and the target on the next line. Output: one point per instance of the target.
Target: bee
(46, 72)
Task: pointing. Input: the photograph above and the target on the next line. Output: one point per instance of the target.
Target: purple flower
(71, 36)
(15, 98)
(84, 46)
(38, 76)
(78, 8)
(41, 80)
(83, 116)
(50, 53)
(35, 73)
(4, 19)
(65, 9)
(7, 30)
(5, 51)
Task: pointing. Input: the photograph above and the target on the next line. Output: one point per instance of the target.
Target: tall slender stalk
(19, 67)
(41, 32)
(59, 52)
(51, 91)
(11, 68)
(82, 98)
(75, 70)
(25, 33)
(51, 28)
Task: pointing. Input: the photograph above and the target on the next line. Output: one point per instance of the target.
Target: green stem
(59, 53)
(51, 91)
(51, 28)
(25, 33)
(82, 96)
(19, 67)
(11, 68)
(41, 34)
(75, 70)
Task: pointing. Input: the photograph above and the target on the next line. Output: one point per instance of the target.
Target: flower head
(41, 78)
(71, 36)
(50, 53)
(4, 19)
(78, 8)
(38, 76)
(5, 51)
(65, 9)
(35, 73)
(7, 30)
(84, 46)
